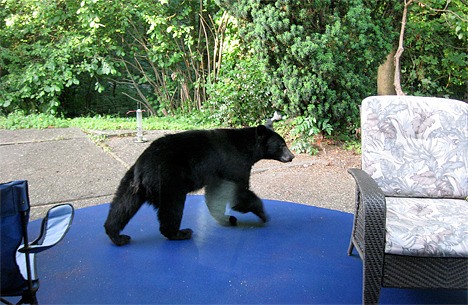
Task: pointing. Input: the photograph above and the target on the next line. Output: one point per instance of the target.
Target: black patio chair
(18, 268)
(411, 218)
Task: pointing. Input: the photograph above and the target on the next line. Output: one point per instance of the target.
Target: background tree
(173, 47)
(435, 60)
(45, 46)
(164, 50)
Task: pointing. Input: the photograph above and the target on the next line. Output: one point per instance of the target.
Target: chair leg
(357, 195)
(370, 287)
(4, 301)
(28, 298)
(34, 300)
(351, 247)
(371, 297)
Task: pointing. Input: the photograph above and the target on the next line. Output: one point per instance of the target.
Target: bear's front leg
(179, 235)
(170, 216)
(246, 201)
(217, 195)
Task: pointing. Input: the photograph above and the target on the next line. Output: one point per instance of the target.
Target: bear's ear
(261, 130)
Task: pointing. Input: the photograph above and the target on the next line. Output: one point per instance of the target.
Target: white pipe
(139, 135)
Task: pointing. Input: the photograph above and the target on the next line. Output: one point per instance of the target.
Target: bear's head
(272, 145)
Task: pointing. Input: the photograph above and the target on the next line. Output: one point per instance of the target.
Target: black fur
(177, 164)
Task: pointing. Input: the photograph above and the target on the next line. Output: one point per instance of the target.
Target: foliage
(321, 56)
(435, 59)
(45, 45)
(167, 47)
(241, 94)
(20, 120)
(172, 47)
(305, 130)
(354, 146)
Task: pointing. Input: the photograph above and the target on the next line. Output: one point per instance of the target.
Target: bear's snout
(287, 155)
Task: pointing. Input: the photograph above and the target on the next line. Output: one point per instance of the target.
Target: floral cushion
(427, 227)
(416, 146)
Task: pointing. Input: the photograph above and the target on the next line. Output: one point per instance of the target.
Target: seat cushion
(427, 227)
(416, 146)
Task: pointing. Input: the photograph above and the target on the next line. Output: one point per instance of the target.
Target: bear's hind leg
(171, 209)
(122, 209)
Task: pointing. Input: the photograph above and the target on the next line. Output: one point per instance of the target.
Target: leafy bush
(321, 56)
(241, 95)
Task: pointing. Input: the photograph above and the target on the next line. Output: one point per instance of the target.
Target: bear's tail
(128, 199)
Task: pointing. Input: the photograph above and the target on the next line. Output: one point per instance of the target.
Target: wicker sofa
(411, 217)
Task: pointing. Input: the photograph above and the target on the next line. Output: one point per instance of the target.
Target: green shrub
(321, 56)
(305, 131)
(241, 95)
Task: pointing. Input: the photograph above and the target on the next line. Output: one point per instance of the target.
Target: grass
(18, 120)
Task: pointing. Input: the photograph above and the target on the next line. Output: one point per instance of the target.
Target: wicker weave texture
(426, 272)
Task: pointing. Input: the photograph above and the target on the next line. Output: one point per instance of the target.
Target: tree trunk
(386, 76)
(397, 80)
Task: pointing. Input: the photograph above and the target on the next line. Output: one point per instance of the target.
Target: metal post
(139, 136)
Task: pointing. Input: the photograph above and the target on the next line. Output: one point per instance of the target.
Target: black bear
(176, 164)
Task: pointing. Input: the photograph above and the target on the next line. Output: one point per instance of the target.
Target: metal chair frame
(14, 199)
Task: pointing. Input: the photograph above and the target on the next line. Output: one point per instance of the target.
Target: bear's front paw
(182, 235)
(186, 233)
(121, 240)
